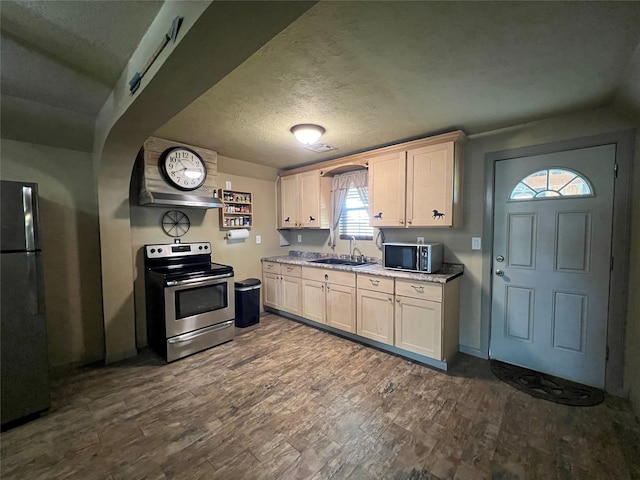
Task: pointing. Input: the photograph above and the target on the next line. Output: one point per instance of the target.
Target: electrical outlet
(476, 243)
(420, 239)
(258, 239)
(227, 185)
(299, 238)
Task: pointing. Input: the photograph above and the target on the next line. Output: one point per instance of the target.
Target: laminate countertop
(305, 259)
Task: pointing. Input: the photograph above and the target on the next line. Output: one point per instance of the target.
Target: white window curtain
(340, 185)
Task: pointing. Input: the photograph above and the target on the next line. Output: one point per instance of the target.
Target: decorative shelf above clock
(237, 211)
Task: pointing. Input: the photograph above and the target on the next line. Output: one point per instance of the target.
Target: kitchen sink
(340, 261)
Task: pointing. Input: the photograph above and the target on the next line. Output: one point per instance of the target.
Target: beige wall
(70, 249)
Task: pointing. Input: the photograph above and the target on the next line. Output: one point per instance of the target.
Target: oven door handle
(197, 281)
(191, 335)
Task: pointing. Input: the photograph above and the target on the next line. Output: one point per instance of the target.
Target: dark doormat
(546, 386)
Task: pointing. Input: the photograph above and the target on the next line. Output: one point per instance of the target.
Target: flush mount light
(307, 133)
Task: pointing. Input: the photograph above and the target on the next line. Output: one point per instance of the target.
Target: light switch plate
(420, 239)
(227, 185)
(476, 243)
(258, 239)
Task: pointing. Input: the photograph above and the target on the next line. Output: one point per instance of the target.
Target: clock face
(183, 168)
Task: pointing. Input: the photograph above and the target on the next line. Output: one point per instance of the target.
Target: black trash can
(247, 302)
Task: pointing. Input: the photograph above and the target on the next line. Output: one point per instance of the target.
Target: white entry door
(551, 262)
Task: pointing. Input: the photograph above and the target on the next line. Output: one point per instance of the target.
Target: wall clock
(175, 223)
(183, 168)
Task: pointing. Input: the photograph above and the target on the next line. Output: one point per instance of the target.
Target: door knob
(500, 273)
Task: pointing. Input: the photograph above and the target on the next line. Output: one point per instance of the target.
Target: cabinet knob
(286, 220)
(326, 277)
(378, 216)
(409, 222)
(390, 299)
(311, 219)
(398, 300)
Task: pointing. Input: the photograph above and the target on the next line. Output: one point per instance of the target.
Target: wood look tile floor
(287, 401)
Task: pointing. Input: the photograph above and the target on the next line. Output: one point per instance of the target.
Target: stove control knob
(153, 250)
(206, 247)
(200, 247)
(171, 283)
(159, 250)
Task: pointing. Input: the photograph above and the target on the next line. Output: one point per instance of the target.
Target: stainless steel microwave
(412, 257)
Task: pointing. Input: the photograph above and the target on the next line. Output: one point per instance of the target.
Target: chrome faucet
(353, 248)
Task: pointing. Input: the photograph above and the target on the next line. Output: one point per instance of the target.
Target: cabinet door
(419, 326)
(387, 190)
(309, 199)
(271, 290)
(375, 315)
(289, 202)
(291, 300)
(341, 307)
(430, 188)
(313, 300)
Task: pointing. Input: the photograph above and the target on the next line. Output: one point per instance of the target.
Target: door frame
(620, 243)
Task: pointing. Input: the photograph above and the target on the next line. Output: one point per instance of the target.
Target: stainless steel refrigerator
(24, 365)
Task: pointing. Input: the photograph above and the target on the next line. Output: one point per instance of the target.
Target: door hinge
(615, 170)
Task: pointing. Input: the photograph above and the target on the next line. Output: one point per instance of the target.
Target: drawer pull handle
(418, 288)
(375, 283)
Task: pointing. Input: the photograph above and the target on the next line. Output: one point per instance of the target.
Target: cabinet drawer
(424, 290)
(347, 279)
(291, 270)
(270, 267)
(375, 283)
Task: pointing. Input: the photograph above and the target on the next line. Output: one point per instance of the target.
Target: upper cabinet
(419, 186)
(411, 184)
(300, 204)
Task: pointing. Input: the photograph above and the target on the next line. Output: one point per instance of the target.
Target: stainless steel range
(190, 300)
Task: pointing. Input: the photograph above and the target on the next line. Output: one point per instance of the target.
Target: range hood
(164, 199)
(155, 191)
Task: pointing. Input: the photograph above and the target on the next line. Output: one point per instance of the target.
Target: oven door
(198, 303)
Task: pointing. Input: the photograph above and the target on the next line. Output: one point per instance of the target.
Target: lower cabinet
(426, 318)
(313, 300)
(328, 296)
(375, 308)
(282, 287)
(418, 326)
(415, 316)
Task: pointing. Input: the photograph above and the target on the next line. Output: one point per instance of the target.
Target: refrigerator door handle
(29, 227)
(33, 306)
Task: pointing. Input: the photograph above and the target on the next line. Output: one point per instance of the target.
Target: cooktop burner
(182, 260)
(192, 270)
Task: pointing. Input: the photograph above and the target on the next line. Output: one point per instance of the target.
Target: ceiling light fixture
(307, 133)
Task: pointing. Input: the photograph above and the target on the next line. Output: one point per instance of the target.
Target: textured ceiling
(371, 73)
(60, 60)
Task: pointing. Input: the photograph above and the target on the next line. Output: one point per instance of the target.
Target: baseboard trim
(474, 352)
